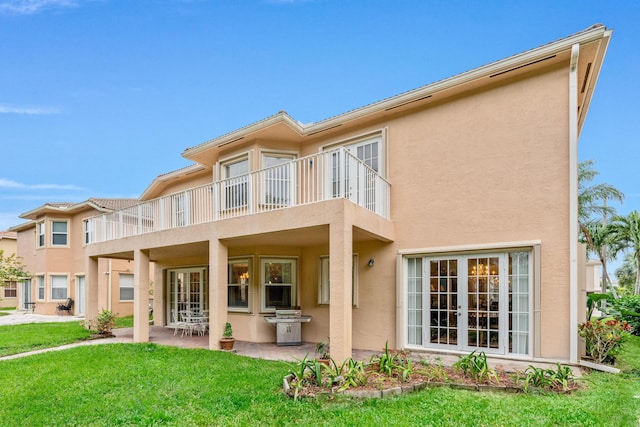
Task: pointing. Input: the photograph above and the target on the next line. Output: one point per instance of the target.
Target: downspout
(573, 204)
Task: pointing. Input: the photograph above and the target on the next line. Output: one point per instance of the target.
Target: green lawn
(146, 384)
(33, 336)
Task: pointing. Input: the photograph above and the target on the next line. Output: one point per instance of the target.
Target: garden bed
(393, 374)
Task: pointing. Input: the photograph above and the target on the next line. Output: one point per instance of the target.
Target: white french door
(470, 302)
(188, 291)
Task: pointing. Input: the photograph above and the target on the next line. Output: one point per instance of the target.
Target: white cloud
(30, 110)
(10, 184)
(30, 7)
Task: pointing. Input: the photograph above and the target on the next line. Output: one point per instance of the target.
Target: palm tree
(598, 237)
(592, 199)
(626, 235)
(627, 272)
(593, 212)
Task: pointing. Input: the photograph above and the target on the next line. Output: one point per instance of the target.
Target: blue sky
(98, 97)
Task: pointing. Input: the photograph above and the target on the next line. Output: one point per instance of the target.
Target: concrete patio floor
(270, 351)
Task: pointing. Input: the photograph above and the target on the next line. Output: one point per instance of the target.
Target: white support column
(91, 288)
(340, 288)
(141, 296)
(217, 292)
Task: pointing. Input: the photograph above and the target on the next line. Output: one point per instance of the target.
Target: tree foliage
(12, 269)
(626, 236)
(626, 273)
(592, 198)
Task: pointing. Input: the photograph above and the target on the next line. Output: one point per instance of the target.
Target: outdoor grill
(288, 322)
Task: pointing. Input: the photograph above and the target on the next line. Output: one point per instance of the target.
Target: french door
(470, 302)
(187, 290)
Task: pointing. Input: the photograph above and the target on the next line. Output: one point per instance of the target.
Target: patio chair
(178, 323)
(66, 306)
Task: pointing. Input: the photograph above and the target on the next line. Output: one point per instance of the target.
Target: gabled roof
(557, 51)
(103, 205)
(164, 179)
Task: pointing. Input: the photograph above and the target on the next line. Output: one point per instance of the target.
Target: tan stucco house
(8, 290)
(52, 246)
(442, 219)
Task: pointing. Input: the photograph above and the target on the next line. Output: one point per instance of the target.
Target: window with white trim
(87, 232)
(126, 287)
(236, 182)
(10, 289)
(279, 283)
(40, 227)
(277, 180)
(324, 283)
(239, 289)
(59, 231)
(41, 291)
(59, 287)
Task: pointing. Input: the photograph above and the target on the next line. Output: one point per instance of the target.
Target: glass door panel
(187, 289)
(483, 303)
(443, 302)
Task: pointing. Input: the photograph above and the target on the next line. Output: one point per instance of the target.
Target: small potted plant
(227, 341)
(322, 352)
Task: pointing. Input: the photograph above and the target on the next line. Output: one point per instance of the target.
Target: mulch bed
(380, 385)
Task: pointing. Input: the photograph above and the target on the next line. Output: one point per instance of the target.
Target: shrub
(103, 324)
(604, 338)
(629, 307)
(547, 378)
(476, 366)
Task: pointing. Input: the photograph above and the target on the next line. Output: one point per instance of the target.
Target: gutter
(573, 204)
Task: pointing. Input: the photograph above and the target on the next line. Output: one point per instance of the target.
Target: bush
(604, 338)
(103, 324)
(629, 307)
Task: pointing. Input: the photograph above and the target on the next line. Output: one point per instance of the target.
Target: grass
(33, 336)
(147, 384)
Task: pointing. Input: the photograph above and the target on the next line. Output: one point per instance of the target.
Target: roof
(104, 205)
(556, 51)
(8, 235)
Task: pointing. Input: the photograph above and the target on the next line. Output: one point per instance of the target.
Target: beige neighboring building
(52, 246)
(9, 246)
(443, 219)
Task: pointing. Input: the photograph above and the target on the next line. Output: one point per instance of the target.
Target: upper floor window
(40, 230)
(234, 172)
(87, 232)
(59, 233)
(277, 179)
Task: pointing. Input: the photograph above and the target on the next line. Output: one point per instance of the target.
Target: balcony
(312, 179)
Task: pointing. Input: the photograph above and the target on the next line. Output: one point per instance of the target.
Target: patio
(270, 351)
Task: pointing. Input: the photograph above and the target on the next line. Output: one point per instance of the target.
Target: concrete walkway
(18, 317)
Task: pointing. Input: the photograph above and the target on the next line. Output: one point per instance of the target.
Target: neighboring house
(52, 246)
(441, 219)
(9, 246)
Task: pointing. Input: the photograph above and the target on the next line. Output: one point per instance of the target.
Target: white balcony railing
(316, 178)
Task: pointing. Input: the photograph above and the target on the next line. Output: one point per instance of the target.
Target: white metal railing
(315, 178)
